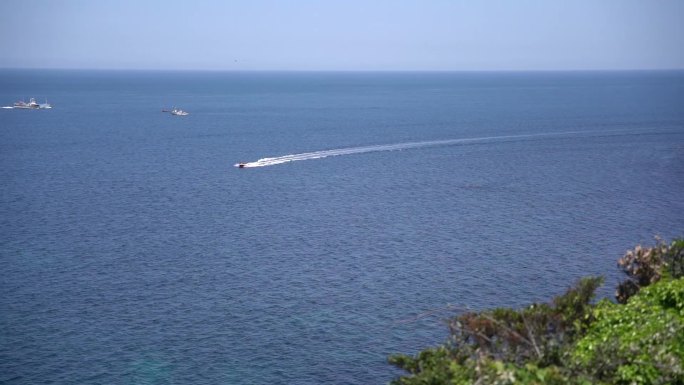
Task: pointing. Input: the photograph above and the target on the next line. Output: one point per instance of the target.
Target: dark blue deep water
(134, 252)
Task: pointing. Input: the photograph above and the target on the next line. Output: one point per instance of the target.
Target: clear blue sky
(343, 34)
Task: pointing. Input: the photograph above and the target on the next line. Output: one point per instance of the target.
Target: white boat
(178, 112)
(31, 105)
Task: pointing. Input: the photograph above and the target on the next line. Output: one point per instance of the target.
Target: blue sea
(376, 205)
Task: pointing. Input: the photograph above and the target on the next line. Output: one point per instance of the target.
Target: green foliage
(526, 342)
(675, 258)
(533, 334)
(432, 366)
(641, 342)
(437, 366)
(531, 374)
(571, 340)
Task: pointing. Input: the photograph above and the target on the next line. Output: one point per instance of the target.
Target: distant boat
(177, 112)
(31, 105)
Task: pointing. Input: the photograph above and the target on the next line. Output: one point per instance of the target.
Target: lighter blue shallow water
(133, 252)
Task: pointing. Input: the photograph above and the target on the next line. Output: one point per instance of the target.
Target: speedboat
(178, 112)
(242, 165)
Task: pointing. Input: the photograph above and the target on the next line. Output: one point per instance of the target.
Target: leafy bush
(436, 366)
(571, 340)
(675, 258)
(641, 342)
(482, 342)
(532, 334)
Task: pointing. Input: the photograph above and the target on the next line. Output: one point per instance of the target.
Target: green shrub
(432, 366)
(483, 341)
(641, 342)
(571, 340)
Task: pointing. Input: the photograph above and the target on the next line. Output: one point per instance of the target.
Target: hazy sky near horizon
(343, 34)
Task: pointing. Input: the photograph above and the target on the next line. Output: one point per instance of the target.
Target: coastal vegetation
(639, 339)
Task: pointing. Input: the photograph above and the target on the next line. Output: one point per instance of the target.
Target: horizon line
(342, 70)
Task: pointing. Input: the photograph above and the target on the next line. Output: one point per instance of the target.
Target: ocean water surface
(133, 251)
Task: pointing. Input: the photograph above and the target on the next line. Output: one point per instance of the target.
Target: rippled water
(133, 251)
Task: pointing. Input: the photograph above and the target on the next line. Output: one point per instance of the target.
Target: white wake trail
(397, 146)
